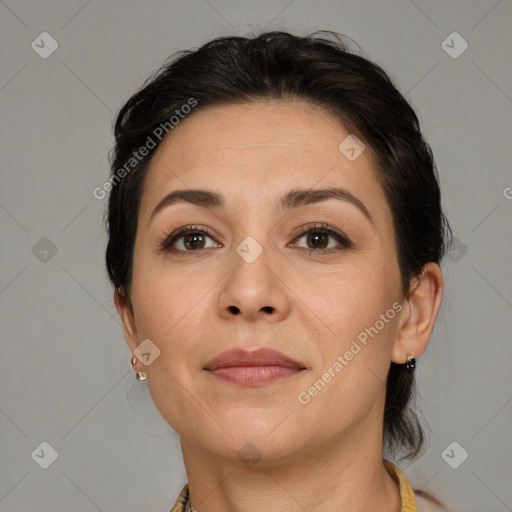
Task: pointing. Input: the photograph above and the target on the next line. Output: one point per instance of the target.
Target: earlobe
(420, 314)
(126, 315)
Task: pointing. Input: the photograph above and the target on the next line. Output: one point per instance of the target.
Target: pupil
(316, 236)
(196, 238)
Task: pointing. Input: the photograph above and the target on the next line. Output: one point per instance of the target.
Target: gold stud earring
(410, 363)
(140, 376)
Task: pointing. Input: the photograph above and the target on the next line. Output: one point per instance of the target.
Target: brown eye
(187, 239)
(193, 241)
(318, 239)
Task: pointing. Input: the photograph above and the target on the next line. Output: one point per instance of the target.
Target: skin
(324, 455)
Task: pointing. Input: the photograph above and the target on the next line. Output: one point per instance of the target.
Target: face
(314, 277)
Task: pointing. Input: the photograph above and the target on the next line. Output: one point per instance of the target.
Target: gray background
(64, 366)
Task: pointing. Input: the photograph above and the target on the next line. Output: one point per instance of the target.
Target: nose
(254, 291)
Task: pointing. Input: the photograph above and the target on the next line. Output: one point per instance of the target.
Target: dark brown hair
(323, 71)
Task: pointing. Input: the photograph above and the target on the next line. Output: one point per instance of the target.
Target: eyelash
(167, 241)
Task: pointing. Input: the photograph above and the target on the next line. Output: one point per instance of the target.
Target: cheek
(351, 312)
(166, 296)
(345, 298)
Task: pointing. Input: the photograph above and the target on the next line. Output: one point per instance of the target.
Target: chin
(270, 440)
(250, 451)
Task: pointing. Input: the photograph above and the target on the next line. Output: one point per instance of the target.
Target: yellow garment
(406, 492)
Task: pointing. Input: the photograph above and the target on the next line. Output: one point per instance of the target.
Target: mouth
(253, 369)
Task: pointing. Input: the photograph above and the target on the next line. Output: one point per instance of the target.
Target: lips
(253, 368)
(262, 357)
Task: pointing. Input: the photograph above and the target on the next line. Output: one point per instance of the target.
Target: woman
(275, 234)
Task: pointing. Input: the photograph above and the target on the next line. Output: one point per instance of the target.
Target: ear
(127, 317)
(419, 314)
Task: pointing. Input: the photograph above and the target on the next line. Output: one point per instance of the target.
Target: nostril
(234, 310)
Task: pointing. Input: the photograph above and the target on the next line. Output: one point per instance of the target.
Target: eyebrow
(293, 199)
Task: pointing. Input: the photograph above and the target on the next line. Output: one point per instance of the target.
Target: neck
(346, 475)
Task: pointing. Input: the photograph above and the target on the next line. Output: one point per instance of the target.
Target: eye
(193, 238)
(186, 239)
(317, 237)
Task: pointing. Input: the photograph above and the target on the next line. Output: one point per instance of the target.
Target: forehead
(258, 151)
(285, 129)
